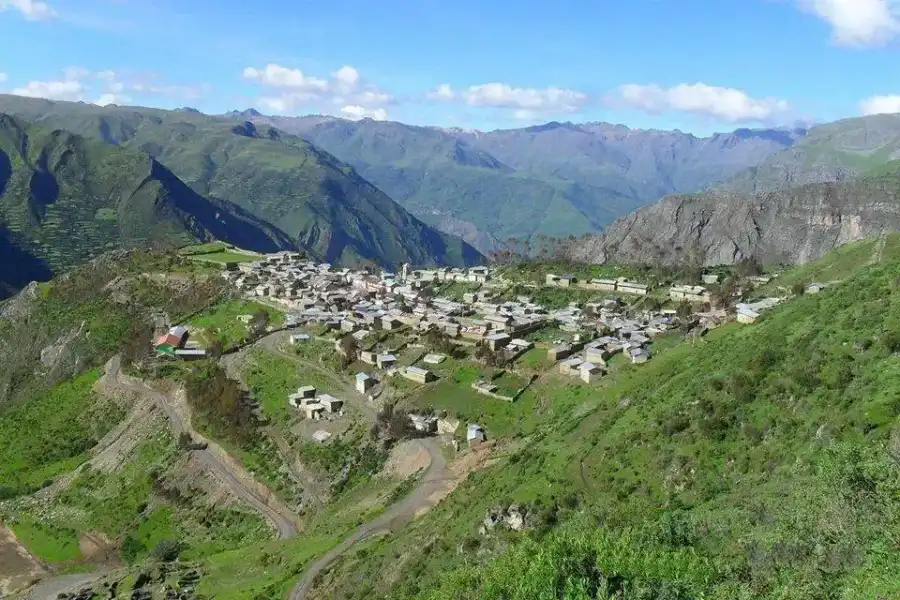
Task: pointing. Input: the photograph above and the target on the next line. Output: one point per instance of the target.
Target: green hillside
(761, 462)
(65, 199)
(452, 185)
(755, 462)
(321, 203)
(832, 152)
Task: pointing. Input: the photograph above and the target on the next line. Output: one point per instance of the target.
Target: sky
(695, 65)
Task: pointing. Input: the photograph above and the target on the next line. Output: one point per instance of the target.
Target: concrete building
(364, 382)
(419, 375)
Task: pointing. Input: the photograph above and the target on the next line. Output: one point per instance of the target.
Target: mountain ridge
(317, 200)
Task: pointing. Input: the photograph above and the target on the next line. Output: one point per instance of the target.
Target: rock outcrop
(720, 227)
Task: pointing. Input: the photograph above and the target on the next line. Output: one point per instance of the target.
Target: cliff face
(719, 227)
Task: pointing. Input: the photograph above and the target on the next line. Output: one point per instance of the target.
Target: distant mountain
(833, 152)
(714, 227)
(556, 179)
(64, 199)
(320, 203)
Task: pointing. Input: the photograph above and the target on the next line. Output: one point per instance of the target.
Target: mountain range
(557, 179)
(838, 184)
(295, 194)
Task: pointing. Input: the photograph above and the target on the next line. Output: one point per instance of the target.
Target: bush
(166, 551)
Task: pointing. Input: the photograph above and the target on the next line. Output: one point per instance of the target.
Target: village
(387, 324)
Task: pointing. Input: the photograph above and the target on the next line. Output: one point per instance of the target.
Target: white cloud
(277, 76)
(501, 95)
(344, 91)
(356, 112)
(877, 105)
(727, 104)
(52, 90)
(3, 77)
(109, 87)
(33, 10)
(442, 92)
(858, 22)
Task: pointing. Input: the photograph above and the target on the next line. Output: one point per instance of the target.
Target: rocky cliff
(721, 227)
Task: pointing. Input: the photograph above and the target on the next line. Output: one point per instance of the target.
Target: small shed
(475, 434)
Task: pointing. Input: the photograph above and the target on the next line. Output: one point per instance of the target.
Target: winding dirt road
(213, 457)
(436, 482)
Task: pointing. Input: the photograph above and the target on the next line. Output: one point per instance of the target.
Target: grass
(225, 256)
(136, 508)
(51, 434)
(751, 464)
(49, 543)
(221, 321)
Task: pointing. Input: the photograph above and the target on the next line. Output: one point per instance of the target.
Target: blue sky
(695, 65)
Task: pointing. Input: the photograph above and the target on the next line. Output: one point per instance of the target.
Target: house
(606, 285)
(496, 341)
(691, 293)
(568, 367)
(368, 357)
(631, 287)
(331, 404)
(190, 353)
(385, 361)
(175, 337)
(434, 359)
(559, 352)
(639, 355)
(419, 375)
(425, 424)
(589, 372)
(520, 345)
(390, 323)
(364, 382)
(598, 355)
(299, 338)
(498, 321)
(475, 434)
(302, 396)
(563, 281)
(815, 288)
(746, 315)
(313, 411)
(485, 387)
(711, 278)
(321, 436)
(349, 325)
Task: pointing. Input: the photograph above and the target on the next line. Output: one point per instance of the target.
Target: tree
(489, 357)
(349, 349)
(259, 321)
(799, 288)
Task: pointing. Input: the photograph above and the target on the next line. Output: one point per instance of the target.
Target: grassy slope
(317, 200)
(830, 152)
(752, 465)
(66, 199)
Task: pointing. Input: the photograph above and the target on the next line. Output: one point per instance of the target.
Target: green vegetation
(221, 322)
(51, 434)
(259, 175)
(755, 463)
(67, 199)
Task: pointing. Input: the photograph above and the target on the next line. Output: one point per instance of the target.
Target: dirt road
(213, 457)
(435, 483)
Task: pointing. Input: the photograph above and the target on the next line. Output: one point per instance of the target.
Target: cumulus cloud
(878, 105)
(52, 90)
(442, 92)
(525, 104)
(103, 87)
(727, 104)
(858, 22)
(344, 91)
(33, 10)
(356, 112)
